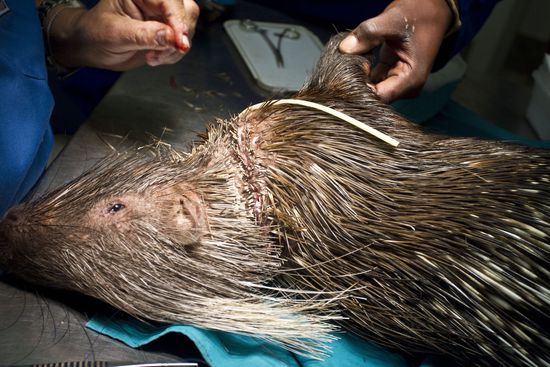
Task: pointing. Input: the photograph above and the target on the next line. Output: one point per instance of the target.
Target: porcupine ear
(339, 74)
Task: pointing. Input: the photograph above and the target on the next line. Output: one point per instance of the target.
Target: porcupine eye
(116, 207)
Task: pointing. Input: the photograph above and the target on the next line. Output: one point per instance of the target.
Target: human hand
(123, 34)
(410, 33)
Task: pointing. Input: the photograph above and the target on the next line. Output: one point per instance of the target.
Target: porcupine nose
(13, 217)
(10, 228)
(12, 220)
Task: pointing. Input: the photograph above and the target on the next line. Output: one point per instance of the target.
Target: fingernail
(161, 37)
(184, 43)
(349, 43)
(153, 62)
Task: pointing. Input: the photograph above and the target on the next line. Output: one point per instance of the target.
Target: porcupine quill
(288, 223)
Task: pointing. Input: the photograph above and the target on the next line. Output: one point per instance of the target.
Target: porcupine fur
(286, 218)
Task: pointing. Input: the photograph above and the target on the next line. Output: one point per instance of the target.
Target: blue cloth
(25, 103)
(221, 349)
(77, 96)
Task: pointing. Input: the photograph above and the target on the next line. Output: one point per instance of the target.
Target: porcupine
(288, 223)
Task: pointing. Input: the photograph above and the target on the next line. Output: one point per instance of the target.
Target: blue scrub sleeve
(25, 103)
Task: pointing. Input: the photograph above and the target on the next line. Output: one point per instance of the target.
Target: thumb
(145, 35)
(370, 34)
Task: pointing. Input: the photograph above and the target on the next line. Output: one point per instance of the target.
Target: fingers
(180, 15)
(158, 40)
(397, 81)
(153, 40)
(391, 88)
(371, 33)
(360, 41)
(191, 11)
(190, 16)
(169, 56)
(387, 59)
(136, 35)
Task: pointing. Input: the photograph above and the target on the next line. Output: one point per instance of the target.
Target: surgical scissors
(290, 33)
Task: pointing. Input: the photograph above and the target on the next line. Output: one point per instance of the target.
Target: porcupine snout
(11, 232)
